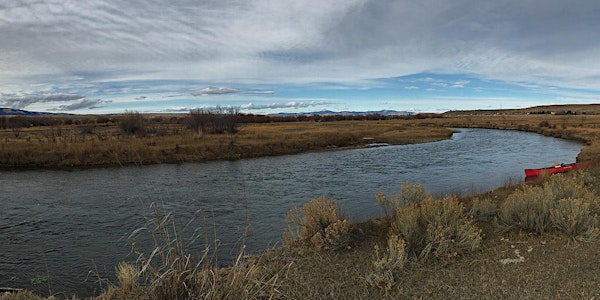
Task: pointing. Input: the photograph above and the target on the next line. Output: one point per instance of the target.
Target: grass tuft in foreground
(173, 271)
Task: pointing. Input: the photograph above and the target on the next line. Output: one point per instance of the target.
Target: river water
(63, 232)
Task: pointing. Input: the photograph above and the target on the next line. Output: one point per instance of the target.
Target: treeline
(208, 121)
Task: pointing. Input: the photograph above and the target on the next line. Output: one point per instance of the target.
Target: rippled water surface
(61, 231)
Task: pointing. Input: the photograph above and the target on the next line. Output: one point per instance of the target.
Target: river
(63, 232)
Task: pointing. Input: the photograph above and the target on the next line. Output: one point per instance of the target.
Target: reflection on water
(71, 226)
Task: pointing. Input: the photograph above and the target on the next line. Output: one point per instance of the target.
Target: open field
(531, 241)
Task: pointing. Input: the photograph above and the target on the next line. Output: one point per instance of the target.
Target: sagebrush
(318, 224)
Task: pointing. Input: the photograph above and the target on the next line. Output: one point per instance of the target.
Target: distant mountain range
(352, 113)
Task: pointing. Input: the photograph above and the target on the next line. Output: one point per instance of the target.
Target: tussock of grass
(172, 271)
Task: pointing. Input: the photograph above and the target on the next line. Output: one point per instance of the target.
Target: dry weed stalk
(173, 271)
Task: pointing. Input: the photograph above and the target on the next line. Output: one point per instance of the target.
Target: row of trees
(207, 121)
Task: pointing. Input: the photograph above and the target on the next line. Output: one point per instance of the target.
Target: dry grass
(107, 144)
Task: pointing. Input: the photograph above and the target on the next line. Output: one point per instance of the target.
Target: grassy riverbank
(539, 240)
(78, 143)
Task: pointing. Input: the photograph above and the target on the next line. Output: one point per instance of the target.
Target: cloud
(459, 84)
(411, 87)
(212, 90)
(85, 103)
(20, 101)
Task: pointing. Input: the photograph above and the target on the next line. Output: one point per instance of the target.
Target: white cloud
(211, 90)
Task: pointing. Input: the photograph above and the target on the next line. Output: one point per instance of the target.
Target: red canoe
(558, 168)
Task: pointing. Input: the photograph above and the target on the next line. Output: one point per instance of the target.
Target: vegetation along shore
(534, 240)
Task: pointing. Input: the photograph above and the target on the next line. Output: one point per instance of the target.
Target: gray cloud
(86, 103)
(24, 100)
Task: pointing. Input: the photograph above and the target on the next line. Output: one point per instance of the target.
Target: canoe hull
(551, 170)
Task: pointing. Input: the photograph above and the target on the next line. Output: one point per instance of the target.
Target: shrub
(483, 210)
(318, 224)
(409, 193)
(216, 120)
(394, 258)
(562, 204)
(527, 209)
(436, 228)
(133, 123)
(572, 217)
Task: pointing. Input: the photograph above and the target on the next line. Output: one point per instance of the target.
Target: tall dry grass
(106, 144)
(171, 269)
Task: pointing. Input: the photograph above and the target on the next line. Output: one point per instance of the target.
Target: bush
(394, 258)
(214, 121)
(318, 224)
(562, 204)
(436, 228)
(483, 210)
(409, 193)
(133, 123)
(572, 217)
(527, 209)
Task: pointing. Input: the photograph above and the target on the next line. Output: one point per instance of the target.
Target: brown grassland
(106, 144)
(525, 241)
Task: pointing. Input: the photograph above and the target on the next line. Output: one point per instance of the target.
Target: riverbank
(105, 144)
(505, 258)
(100, 141)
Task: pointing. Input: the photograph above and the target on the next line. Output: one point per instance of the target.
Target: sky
(270, 56)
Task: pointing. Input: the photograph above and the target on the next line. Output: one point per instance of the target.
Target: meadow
(522, 240)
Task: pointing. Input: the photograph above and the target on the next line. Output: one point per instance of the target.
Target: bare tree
(17, 124)
(214, 121)
(133, 122)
